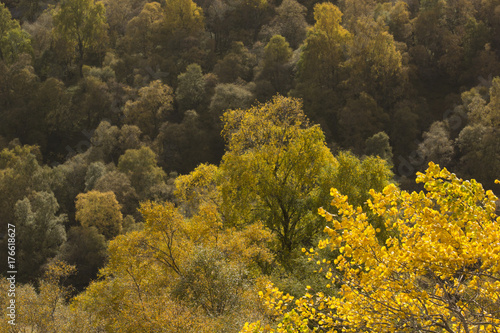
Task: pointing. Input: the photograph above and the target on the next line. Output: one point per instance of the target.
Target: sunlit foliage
(437, 272)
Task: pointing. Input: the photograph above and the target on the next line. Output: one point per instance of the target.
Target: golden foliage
(101, 210)
(439, 271)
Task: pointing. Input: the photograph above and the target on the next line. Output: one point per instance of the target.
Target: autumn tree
(151, 108)
(273, 169)
(149, 270)
(82, 25)
(150, 19)
(197, 188)
(375, 63)
(437, 272)
(100, 210)
(212, 282)
(275, 67)
(45, 308)
(320, 66)
(183, 16)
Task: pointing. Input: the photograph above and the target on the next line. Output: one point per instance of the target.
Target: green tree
(143, 31)
(217, 17)
(190, 90)
(379, 145)
(151, 108)
(212, 282)
(13, 40)
(40, 232)
(141, 167)
(355, 177)
(110, 142)
(20, 175)
(85, 248)
(289, 22)
(437, 146)
(359, 119)
(91, 102)
(320, 66)
(82, 25)
(275, 68)
(67, 181)
(118, 183)
(181, 147)
(18, 90)
(273, 170)
(95, 171)
(54, 101)
(229, 96)
(479, 152)
(477, 141)
(100, 210)
(119, 14)
(237, 64)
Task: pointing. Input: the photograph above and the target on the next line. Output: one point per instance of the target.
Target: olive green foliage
(267, 171)
(151, 109)
(211, 282)
(379, 145)
(13, 40)
(85, 248)
(289, 22)
(191, 89)
(40, 232)
(229, 96)
(81, 24)
(141, 167)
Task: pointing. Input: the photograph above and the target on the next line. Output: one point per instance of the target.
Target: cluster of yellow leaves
(137, 289)
(45, 309)
(99, 209)
(197, 188)
(439, 269)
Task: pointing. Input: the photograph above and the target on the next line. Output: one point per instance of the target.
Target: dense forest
(250, 165)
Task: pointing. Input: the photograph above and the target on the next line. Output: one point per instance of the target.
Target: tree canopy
(438, 271)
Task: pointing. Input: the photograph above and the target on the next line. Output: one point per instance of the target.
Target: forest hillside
(250, 165)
